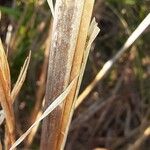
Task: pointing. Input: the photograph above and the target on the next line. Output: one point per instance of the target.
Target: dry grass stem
(64, 37)
(4, 65)
(33, 132)
(140, 142)
(20, 79)
(108, 65)
(76, 66)
(91, 36)
(73, 61)
(48, 110)
(7, 98)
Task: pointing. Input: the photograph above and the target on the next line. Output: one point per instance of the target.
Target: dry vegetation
(112, 109)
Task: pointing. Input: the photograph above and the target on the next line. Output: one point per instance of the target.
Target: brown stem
(5, 101)
(78, 57)
(64, 37)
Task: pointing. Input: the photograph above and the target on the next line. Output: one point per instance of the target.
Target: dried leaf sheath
(64, 36)
(77, 61)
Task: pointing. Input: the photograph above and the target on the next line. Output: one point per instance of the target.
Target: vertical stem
(77, 61)
(64, 37)
(5, 101)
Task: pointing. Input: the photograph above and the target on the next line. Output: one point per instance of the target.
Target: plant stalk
(77, 62)
(64, 37)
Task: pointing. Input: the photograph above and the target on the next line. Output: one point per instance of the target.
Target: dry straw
(108, 65)
(56, 103)
(63, 95)
(7, 96)
(65, 31)
(69, 36)
(73, 63)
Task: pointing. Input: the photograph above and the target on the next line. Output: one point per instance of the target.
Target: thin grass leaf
(21, 78)
(5, 98)
(108, 65)
(7, 107)
(92, 27)
(18, 84)
(93, 32)
(76, 66)
(65, 31)
(51, 5)
(56, 103)
(4, 65)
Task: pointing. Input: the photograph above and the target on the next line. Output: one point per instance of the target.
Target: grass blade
(21, 78)
(52, 106)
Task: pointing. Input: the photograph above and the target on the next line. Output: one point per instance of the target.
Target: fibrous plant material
(76, 66)
(48, 110)
(79, 64)
(108, 65)
(62, 96)
(141, 141)
(21, 79)
(67, 42)
(64, 37)
(64, 112)
(7, 96)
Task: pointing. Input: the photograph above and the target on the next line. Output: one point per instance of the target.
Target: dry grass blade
(139, 143)
(50, 108)
(4, 64)
(76, 66)
(50, 3)
(18, 85)
(21, 78)
(5, 98)
(138, 31)
(92, 33)
(65, 30)
(108, 65)
(33, 132)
